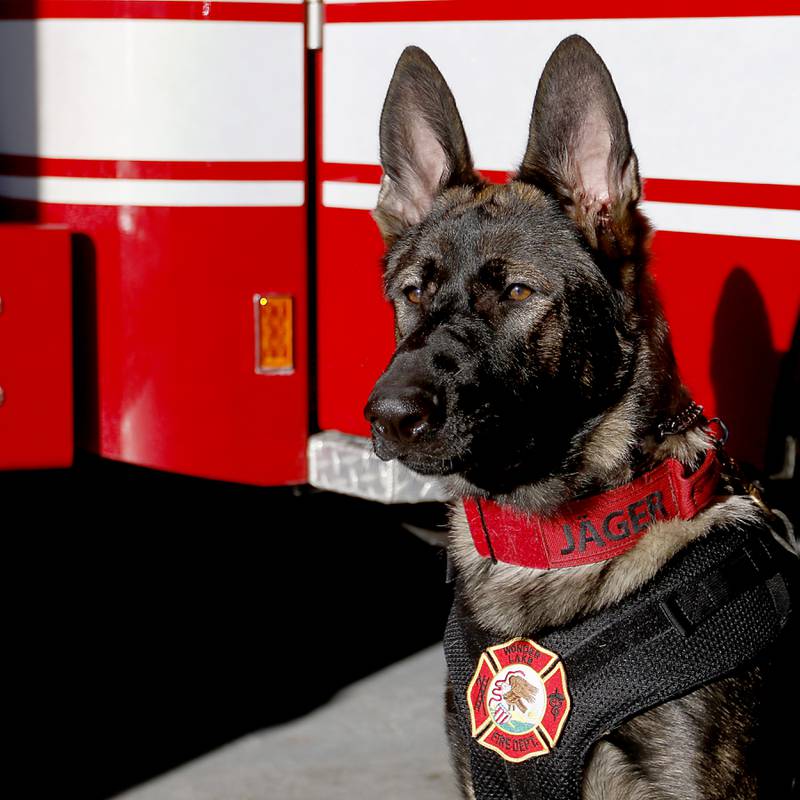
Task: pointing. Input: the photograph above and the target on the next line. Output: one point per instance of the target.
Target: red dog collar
(595, 528)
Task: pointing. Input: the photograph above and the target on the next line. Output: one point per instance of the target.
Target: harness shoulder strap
(725, 601)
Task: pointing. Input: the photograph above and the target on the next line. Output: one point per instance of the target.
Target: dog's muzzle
(402, 415)
(415, 408)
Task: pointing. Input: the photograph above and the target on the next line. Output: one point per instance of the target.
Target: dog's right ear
(423, 146)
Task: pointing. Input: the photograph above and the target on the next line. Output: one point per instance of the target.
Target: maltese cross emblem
(518, 700)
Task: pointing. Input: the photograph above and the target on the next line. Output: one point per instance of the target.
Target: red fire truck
(186, 190)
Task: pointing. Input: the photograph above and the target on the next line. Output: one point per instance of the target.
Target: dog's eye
(413, 294)
(518, 291)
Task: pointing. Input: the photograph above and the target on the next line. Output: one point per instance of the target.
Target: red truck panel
(170, 375)
(356, 326)
(727, 254)
(183, 178)
(35, 347)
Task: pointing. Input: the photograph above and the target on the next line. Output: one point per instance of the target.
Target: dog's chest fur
(674, 750)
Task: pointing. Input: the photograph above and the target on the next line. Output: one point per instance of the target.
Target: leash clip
(719, 441)
(787, 537)
(749, 486)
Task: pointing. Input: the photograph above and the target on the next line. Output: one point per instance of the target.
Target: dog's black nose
(402, 415)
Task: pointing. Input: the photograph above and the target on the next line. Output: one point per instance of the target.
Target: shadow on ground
(155, 617)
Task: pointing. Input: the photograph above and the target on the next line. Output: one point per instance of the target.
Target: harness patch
(518, 700)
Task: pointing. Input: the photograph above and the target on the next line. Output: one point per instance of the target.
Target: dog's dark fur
(533, 365)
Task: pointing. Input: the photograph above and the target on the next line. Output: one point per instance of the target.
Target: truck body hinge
(315, 13)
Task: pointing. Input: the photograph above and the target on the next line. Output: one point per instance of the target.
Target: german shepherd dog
(533, 366)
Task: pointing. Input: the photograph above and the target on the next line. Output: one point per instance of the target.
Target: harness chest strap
(721, 604)
(595, 528)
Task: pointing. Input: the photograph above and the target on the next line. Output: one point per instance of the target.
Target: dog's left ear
(424, 148)
(579, 149)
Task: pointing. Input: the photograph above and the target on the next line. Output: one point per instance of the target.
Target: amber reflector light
(274, 333)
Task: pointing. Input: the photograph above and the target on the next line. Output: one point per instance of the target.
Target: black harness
(721, 604)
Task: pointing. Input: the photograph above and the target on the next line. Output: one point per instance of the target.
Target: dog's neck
(612, 448)
(618, 445)
(520, 601)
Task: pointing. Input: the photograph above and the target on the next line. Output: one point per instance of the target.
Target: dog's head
(516, 305)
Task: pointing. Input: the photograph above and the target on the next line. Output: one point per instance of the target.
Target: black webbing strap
(716, 607)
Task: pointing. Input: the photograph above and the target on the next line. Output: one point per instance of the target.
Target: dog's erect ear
(423, 146)
(580, 151)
